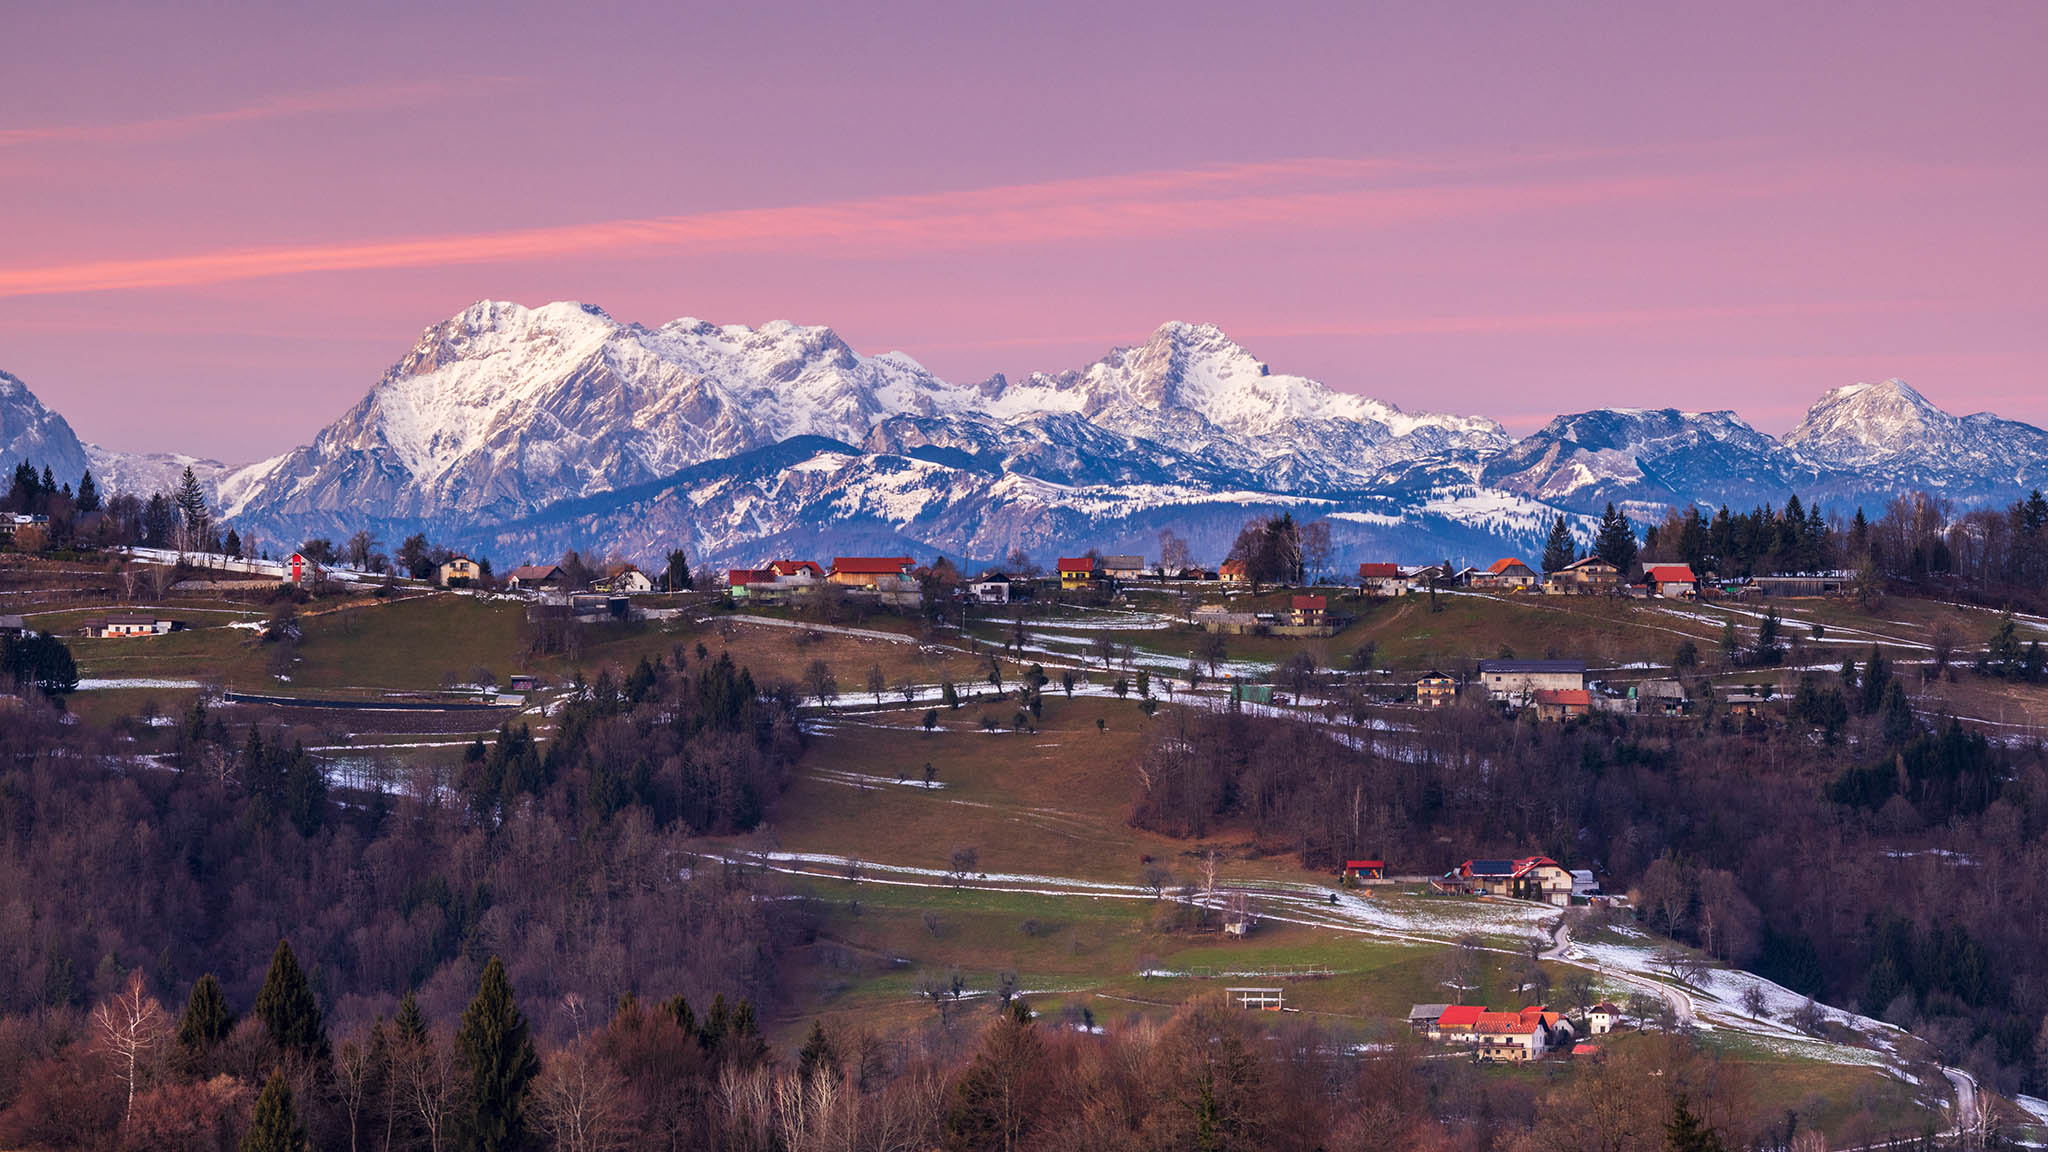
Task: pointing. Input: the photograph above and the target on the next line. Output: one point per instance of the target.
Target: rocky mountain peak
(1860, 424)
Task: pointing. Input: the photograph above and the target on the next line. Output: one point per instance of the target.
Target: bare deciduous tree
(130, 1028)
(579, 1100)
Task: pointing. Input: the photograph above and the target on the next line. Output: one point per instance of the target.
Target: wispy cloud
(355, 98)
(1294, 194)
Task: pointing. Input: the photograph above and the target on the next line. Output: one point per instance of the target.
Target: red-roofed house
(1308, 611)
(1530, 878)
(745, 582)
(1673, 580)
(1077, 571)
(797, 571)
(1506, 573)
(1562, 703)
(1381, 580)
(1457, 1021)
(880, 573)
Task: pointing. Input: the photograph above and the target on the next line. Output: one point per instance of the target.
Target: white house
(992, 588)
(628, 582)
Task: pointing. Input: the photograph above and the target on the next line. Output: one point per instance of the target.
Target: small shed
(1365, 871)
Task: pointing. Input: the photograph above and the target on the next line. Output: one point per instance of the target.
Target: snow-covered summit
(502, 409)
(1860, 424)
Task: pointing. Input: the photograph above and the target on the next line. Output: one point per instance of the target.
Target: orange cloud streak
(1300, 193)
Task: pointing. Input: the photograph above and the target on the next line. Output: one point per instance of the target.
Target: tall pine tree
(191, 501)
(207, 1019)
(1616, 541)
(275, 1125)
(411, 1024)
(498, 1051)
(1560, 549)
(287, 1007)
(88, 494)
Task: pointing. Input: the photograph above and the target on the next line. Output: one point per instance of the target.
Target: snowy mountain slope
(1642, 457)
(1891, 437)
(31, 431)
(504, 410)
(818, 495)
(146, 472)
(1191, 389)
(508, 427)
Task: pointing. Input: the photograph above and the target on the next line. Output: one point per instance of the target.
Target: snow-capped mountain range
(519, 431)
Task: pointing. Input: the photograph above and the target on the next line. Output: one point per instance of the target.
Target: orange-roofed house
(1234, 572)
(1506, 574)
(1078, 572)
(1507, 1036)
(1562, 703)
(1673, 580)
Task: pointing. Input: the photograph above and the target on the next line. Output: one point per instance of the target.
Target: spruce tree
(1686, 1132)
(498, 1050)
(207, 1019)
(678, 1010)
(287, 1008)
(1558, 552)
(412, 1026)
(1616, 540)
(88, 494)
(817, 1053)
(274, 1127)
(191, 501)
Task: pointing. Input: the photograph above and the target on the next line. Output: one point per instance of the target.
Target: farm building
(1562, 703)
(1122, 567)
(1515, 681)
(535, 578)
(877, 573)
(1365, 871)
(1308, 611)
(1823, 584)
(117, 624)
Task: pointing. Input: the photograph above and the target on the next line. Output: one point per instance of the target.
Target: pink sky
(218, 226)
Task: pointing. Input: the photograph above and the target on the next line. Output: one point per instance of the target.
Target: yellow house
(1077, 571)
(459, 568)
